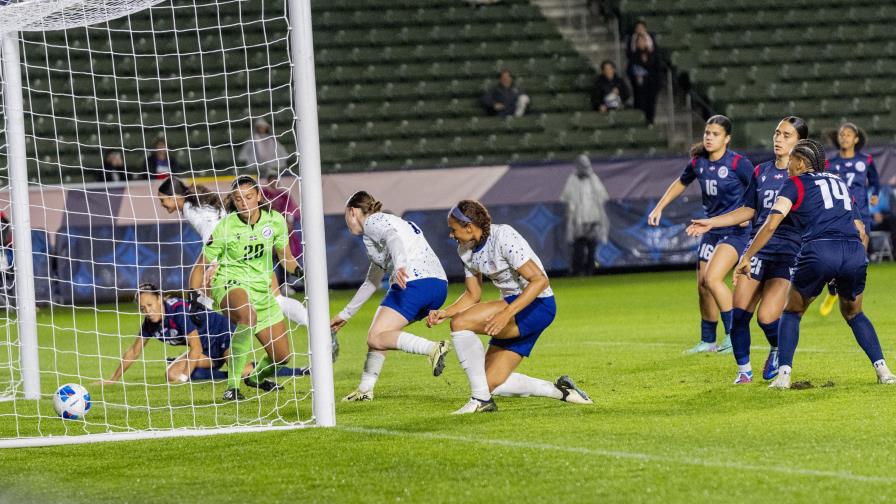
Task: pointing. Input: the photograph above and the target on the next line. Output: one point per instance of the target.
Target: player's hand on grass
(336, 324)
(105, 382)
(401, 277)
(496, 323)
(698, 227)
(436, 317)
(655, 216)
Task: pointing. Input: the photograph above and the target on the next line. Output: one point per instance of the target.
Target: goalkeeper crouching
(236, 265)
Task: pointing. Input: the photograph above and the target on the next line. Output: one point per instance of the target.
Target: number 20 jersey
(392, 242)
(822, 207)
(246, 252)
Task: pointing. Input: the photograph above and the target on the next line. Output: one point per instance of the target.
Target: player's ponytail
(362, 200)
(812, 153)
(197, 195)
(473, 212)
(698, 150)
(834, 136)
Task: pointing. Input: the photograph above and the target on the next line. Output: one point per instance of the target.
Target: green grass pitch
(666, 427)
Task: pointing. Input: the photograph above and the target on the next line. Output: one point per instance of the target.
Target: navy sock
(771, 332)
(727, 320)
(866, 336)
(788, 337)
(208, 374)
(708, 331)
(740, 335)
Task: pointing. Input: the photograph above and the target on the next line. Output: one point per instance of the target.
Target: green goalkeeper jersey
(245, 252)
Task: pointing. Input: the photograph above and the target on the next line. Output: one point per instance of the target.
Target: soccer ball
(71, 401)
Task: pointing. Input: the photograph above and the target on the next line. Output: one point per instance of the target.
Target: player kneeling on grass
(243, 244)
(514, 323)
(418, 285)
(169, 320)
(821, 209)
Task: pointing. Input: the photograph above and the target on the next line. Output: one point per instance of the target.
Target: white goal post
(85, 82)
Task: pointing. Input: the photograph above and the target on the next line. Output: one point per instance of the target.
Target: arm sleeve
(374, 277)
(514, 248)
(214, 248)
(751, 199)
(281, 233)
(789, 190)
(690, 172)
(873, 177)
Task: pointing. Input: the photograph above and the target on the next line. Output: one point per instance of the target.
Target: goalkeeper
(236, 264)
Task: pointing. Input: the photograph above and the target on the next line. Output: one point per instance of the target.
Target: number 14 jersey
(822, 207)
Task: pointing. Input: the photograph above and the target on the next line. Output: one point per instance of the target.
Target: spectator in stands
(883, 215)
(631, 42)
(587, 223)
(610, 91)
(282, 201)
(645, 71)
(114, 169)
(505, 99)
(263, 151)
(160, 164)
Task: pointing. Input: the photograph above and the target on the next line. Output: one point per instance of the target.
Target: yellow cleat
(828, 305)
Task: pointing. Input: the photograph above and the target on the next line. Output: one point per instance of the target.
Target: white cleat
(571, 392)
(359, 395)
(702, 347)
(887, 379)
(477, 406)
(437, 357)
(782, 382)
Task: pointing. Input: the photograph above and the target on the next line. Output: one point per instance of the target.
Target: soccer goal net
(123, 124)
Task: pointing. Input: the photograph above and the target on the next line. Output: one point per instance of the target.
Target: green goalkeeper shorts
(267, 310)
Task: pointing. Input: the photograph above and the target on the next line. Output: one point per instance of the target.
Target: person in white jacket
(587, 223)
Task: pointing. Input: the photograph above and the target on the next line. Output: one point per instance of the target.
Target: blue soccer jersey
(764, 186)
(822, 207)
(860, 175)
(177, 323)
(722, 183)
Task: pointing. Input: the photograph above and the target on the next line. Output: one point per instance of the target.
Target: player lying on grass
(769, 278)
(242, 245)
(821, 209)
(169, 320)
(417, 285)
(723, 176)
(514, 322)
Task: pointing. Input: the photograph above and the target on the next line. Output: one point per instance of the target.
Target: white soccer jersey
(393, 242)
(203, 218)
(504, 252)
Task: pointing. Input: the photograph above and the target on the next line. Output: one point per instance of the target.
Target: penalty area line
(646, 457)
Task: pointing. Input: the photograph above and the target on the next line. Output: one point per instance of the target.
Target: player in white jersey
(417, 285)
(203, 209)
(514, 322)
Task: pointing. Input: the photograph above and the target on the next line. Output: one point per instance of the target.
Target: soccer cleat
(437, 357)
(770, 369)
(725, 346)
(887, 379)
(782, 382)
(571, 392)
(828, 305)
(359, 395)
(233, 394)
(702, 347)
(743, 378)
(477, 406)
(265, 385)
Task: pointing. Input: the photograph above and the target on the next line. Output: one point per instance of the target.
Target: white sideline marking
(658, 344)
(648, 457)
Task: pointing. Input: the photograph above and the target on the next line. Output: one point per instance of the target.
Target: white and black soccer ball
(71, 401)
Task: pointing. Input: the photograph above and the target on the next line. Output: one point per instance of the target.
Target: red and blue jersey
(860, 175)
(723, 183)
(177, 323)
(764, 186)
(822, 207)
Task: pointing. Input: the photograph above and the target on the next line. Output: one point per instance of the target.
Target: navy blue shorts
(764, 268)
(710, 241)
(415, 301)
(531, 321)
(821, 261)
(214, 347)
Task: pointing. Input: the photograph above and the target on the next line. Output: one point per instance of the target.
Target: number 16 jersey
(723, 183)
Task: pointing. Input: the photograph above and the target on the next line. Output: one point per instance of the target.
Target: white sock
(414, 344)
(293, 309)
(471, 356)
(784, 370)
(524, 386)
(746, 368)
(372, 367)
(881, 368)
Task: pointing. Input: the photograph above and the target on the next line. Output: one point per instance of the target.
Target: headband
(459, 216)
(243, 179)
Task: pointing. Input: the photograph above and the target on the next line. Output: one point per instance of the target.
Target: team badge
(723, 172)
(860, 166)
(267, 232)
